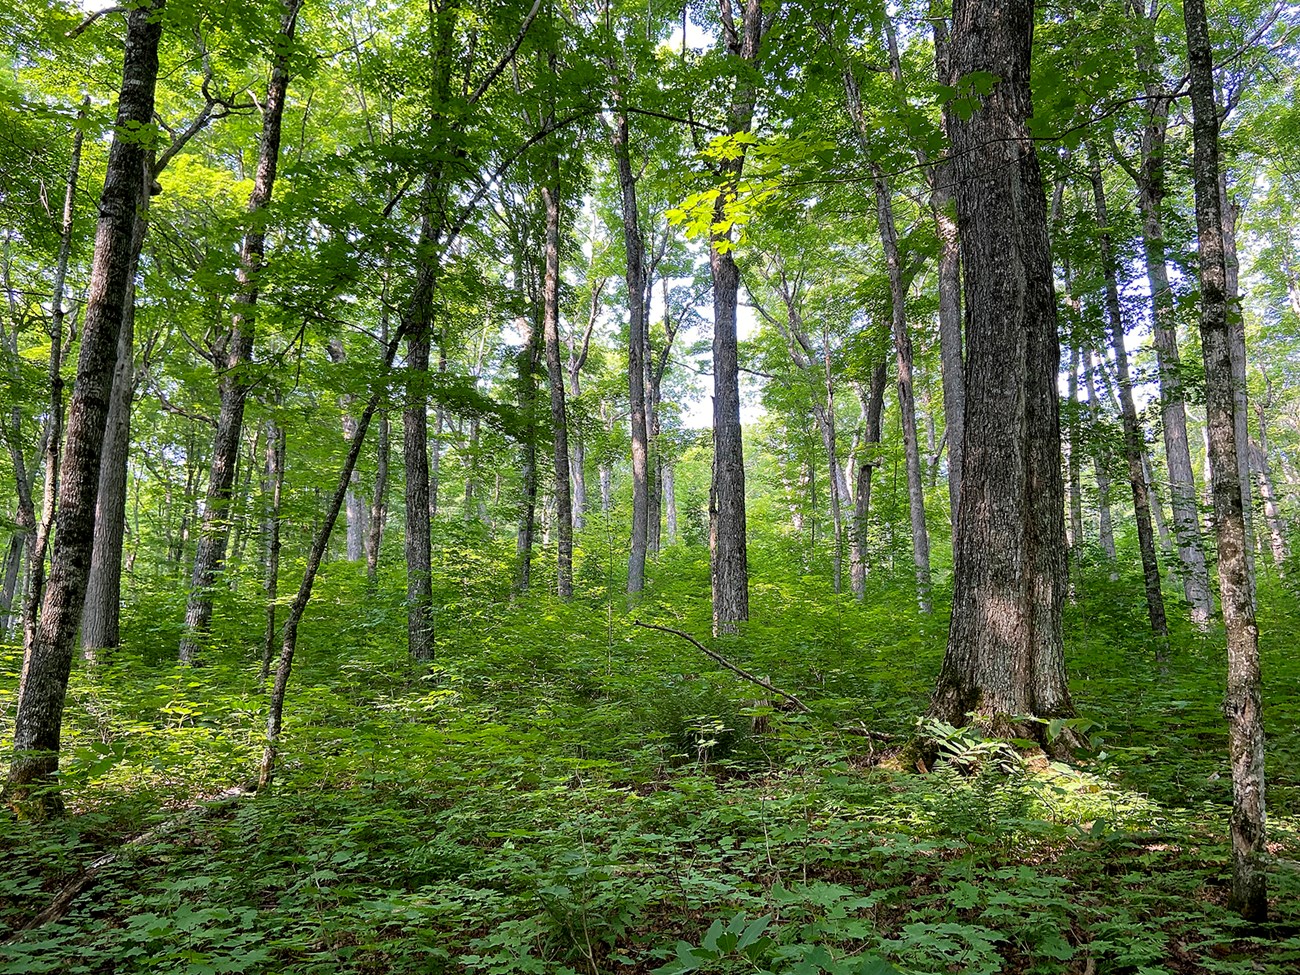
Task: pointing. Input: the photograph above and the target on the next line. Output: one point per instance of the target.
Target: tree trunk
(101, 616)
(950, 341)
(634, 245)
(670, 502)
(423, 291)
(236, 352)
(1182, 483)
(272, 492)
(379, 498)
(872, 406)
(1005, 657)
(527, 394)
(1237, 349)
(1133, 437)
(1100, 459)
(555, 373)
(54, 431)
(48, 660)
(1074, 484)
(1243, 702)
(728, 554)
(906, 395)
(415, 455)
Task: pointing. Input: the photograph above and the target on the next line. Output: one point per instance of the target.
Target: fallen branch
(762, 682)
(62, 902)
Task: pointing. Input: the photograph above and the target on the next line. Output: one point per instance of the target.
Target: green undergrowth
(562, 791)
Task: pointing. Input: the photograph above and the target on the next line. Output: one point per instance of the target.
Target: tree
(48, 659)
(1243, 703)
(236, 350)
(1004, 657)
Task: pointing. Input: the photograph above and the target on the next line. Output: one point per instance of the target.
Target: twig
(762, 682)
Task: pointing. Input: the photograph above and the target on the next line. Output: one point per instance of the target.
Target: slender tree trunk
(1182, 483)
(1073, 465)
(236, 352)
(435, 452)
(950, 340)
(54, 433)
(379, 498)
(906, 395)
(555, 372)
(1100, 459)
(272, 491)
(634, 245)
(728, 552)
(1237, 349)
(872, 407)
(1133, 437)
(48, 659)
(320, 543)
(670, 501)
(415, 454)
(527, 393)
(1243, 702)
(101, 616)
(1005, 657)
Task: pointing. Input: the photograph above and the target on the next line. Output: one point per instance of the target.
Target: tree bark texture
(48, 660)
(236, 352)
(101, 616)
(1243, 702)
(1005, 656)
(634, 247)
(415, 453)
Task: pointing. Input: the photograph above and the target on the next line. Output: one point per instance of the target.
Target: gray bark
(48, 659)
(235, 354)
(1005, 655)
(1243, 703)
(1133, 437)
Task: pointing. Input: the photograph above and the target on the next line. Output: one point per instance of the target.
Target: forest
(594, 488)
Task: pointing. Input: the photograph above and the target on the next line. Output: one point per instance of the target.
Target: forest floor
(564, 792)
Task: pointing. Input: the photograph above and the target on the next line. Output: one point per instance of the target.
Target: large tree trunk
(1182, 483)
(634, 246)
(1133, 437)
(1243, 702)
(236, 352)
(48, 659)
(555, 373)
(1005, 657)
